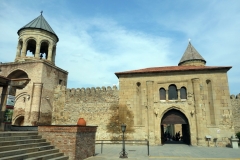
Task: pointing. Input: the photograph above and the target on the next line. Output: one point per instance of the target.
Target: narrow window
(162, 93)
(60, 82)
(183, 93)
(172, 92)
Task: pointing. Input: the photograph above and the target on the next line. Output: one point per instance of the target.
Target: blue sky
(98, 38)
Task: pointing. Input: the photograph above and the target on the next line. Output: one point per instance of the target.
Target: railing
(142, 142)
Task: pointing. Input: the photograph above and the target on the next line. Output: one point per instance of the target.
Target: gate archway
(172, 123)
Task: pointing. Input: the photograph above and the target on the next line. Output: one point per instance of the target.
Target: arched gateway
(172, 122)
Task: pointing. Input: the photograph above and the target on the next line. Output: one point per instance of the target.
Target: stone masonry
(235, 100)
(91, 104)
(191, 94)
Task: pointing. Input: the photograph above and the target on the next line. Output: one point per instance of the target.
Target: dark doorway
(19, 121)
(175, 128)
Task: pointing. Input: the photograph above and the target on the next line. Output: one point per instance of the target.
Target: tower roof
(191, 54)
(39, 23)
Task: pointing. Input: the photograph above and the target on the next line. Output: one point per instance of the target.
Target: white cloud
(94, 52)
(96, 43)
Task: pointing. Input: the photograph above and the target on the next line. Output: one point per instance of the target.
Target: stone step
(60, 158)
(19, 133)
(13, 138)
(17, 152)
(27, 141)
(47, 157)
(21, 146)
(25, 150)
(30, 155)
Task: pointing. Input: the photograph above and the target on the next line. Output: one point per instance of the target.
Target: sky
(100, 37)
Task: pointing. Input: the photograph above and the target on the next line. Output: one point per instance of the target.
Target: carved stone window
(172, 92)
(183, 93)
(162, 93)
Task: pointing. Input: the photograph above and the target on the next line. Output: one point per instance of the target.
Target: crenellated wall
(98, 106)
(92, 104)
(235, 100)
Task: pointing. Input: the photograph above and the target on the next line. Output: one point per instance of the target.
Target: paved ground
(166, 152)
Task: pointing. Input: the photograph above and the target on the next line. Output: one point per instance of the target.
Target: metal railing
(140, 142)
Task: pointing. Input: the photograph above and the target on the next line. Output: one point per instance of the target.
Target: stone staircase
(27, 145)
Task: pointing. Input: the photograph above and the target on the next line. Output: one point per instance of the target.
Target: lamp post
(123, 153)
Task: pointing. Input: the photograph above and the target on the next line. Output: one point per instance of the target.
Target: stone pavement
(166, 152)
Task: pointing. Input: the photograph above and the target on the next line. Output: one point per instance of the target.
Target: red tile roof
(173, 69)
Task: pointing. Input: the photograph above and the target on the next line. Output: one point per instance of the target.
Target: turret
(37, 41)
(191, 57)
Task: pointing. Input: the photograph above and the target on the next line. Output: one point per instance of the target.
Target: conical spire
(191, 57)
(39, 23)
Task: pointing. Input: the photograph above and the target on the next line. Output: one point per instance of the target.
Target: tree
(121, 114)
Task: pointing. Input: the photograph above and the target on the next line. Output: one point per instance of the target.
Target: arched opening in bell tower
(175, 128)
(54, 54)
(44, 50)
(31, 48)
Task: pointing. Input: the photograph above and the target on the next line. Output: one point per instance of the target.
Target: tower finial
(41, 12)
(189, 40)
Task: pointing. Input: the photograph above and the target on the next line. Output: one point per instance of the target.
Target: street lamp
(123, 153)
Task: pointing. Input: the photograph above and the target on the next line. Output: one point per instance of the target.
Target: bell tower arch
(37, 41)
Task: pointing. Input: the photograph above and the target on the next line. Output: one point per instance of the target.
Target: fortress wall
(92, 104)
(235, 100)
(98, 107)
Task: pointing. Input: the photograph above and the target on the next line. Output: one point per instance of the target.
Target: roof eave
(39, 29)
(227, 68)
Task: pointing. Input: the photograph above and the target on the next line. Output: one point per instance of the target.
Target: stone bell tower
(38, 38)
(35, 60)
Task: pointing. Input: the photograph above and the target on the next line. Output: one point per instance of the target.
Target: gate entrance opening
(175, 128)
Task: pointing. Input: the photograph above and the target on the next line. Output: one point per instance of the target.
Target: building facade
(35, 60)
(191, 96)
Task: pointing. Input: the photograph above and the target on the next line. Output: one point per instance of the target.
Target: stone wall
(77, 142)
(33, 104)
(100, 107)
(235, 100)
(92, 104)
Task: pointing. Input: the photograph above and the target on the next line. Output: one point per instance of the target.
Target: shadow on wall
(120, 114)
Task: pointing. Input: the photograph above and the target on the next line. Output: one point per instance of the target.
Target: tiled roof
(191, 54)
(39, 23)
(173, 69)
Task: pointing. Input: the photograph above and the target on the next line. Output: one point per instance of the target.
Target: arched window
(172, 92)
(44, 50)
(162, 93)
(183, 93)
(31, 47)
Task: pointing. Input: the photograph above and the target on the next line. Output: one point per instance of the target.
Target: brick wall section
(77, 142)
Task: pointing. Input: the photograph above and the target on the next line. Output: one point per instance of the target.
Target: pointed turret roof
(39, 23)
(191, 54)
